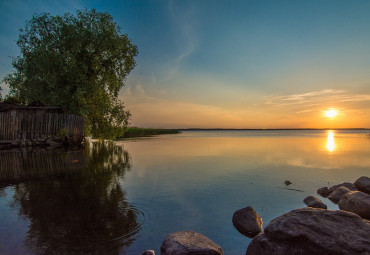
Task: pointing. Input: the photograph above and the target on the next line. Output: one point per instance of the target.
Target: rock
(348, 185)
(324, 191)
(189, 243)
(313, 231)
(312, 201)
(148, 252)
(357, 202)
(247, 222)
(363, 184)
(287, 182)
(337, 194)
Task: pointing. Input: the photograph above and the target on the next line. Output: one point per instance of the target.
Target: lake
(125, 197)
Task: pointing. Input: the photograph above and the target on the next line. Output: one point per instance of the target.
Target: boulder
(348, 185)
(363, 184)
(357, 202)
(312, 201)
(247, 222)
(313, 231)
(189, 243)
(337, 194)
(324, 191)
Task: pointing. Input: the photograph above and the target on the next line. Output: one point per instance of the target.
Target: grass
(140, 132)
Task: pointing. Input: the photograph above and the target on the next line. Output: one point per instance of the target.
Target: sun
(331, 113)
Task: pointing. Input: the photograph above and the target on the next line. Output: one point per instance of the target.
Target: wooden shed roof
(6, 107)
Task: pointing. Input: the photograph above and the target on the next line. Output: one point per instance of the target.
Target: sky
(231, 64)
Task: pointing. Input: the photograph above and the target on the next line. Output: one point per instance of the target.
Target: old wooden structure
(37, 123)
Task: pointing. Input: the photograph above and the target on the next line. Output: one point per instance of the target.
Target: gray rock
(247, 222)
(324, 191)
(363, 184)
(348, 185)
(189, 243)
(337, 194)
(357, 202)
(148, 252)
(313, 231)
(312, 201)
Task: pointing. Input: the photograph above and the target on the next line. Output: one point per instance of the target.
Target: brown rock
(337, 194)
(363, 184)
(313, 231)
(247, 222)
(348, 185)
(324, 191)
(189, 243)
(312, 201)
(357, 202)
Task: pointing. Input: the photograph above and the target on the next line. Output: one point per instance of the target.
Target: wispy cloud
(184, 19)
(310, 95)
(305, 111)
(314, 98)
(355, 98)
(154, 109)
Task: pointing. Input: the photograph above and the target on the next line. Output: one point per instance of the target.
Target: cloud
(151, 108)
(317, 98)
(355, 98)
(184, 20)
(309, 95)
(305, 111)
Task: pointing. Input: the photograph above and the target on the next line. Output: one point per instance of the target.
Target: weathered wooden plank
(33, 124)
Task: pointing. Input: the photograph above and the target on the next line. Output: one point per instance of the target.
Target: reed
(142, 132)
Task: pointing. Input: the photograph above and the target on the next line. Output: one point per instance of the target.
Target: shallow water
(124, 198)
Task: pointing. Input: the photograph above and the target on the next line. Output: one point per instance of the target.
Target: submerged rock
(363, 184)
(324, 191)
(189, 243)
(357, 202)
(313, 231)
(337, 194)
(312, 201)
(247, 222)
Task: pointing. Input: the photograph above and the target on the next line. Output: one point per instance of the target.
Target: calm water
(124, 198)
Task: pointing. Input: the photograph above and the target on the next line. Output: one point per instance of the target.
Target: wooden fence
(35, 122)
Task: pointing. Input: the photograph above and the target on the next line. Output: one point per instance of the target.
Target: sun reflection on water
(330, 144)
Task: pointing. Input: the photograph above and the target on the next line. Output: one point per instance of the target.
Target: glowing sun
(331, 113)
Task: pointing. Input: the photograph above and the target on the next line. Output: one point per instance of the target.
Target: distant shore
(133, 132)
(267, 129)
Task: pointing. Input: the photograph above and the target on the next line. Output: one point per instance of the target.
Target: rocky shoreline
(309, 230)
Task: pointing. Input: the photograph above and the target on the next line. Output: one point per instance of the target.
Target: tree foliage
(78, 62)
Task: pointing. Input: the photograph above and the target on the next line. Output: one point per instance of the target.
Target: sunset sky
(232, 64)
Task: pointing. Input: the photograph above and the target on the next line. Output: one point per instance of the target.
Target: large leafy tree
(76, 61)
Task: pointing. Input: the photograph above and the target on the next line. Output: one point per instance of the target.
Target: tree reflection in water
(81, 212)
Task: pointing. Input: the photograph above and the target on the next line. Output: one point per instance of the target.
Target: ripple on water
(134, 227)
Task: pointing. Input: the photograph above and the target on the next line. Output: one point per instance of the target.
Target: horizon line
(270, 128)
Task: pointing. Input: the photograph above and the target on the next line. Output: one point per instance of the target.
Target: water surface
(124, 198)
